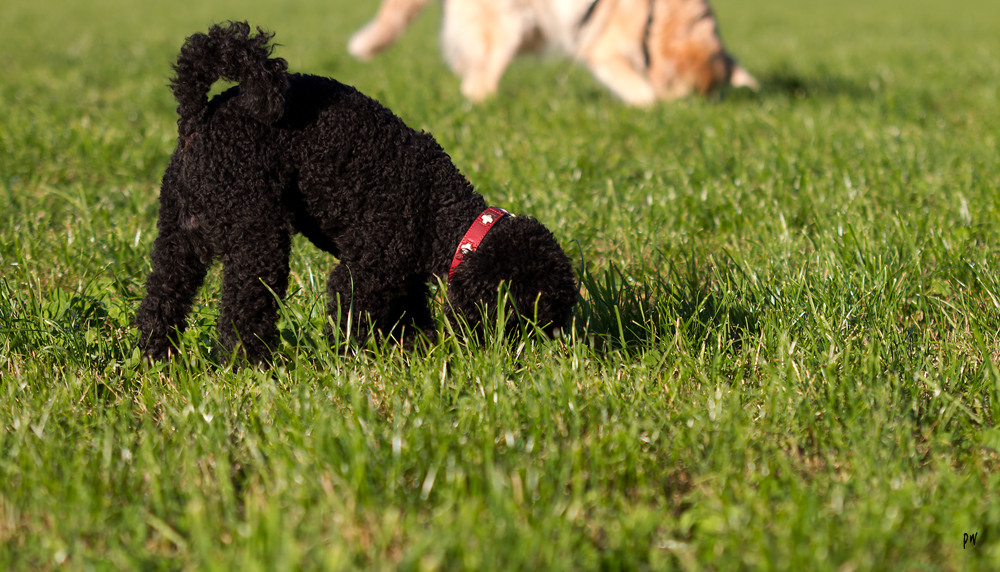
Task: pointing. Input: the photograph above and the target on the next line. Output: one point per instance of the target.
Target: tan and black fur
(643, 50)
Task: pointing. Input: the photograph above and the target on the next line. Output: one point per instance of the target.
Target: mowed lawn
(785, 355)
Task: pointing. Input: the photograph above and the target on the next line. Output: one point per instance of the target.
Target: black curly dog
(281, 153)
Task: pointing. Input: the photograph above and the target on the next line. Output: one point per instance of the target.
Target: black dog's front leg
(364, 297)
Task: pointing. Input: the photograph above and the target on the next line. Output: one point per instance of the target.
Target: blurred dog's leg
(392, 19)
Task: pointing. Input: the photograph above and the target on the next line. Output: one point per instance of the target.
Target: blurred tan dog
(641, 49)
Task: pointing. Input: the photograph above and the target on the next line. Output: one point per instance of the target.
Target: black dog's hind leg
(180, 262)
(365, 297)
(181, 257)
(255, 270)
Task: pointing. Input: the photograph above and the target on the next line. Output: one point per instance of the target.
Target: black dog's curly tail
(229, 52)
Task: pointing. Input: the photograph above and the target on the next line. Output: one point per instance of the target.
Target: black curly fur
(282, 153)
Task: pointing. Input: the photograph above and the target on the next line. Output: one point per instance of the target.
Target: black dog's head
(524, 255)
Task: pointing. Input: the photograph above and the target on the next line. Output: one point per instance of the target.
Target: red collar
(470, 242)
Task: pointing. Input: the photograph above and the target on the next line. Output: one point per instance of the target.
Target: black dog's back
(344, 168)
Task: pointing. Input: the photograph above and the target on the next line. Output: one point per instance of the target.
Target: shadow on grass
(69, 327)
(791, 84)
(694, 303)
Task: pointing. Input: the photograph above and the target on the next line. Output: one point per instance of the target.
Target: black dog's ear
(522, 253)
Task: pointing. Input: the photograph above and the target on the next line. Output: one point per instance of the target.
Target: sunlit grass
(784, 356)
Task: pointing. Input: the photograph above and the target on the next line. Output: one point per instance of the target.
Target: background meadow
(784, 357)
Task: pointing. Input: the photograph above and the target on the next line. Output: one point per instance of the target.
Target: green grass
(785, 354)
